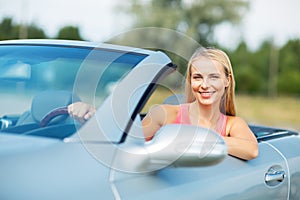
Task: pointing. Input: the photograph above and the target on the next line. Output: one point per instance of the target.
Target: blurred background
(262, 39)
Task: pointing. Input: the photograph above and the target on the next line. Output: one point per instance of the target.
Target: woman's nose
(205, 83)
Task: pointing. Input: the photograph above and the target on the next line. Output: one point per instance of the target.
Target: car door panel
(231, 179)
(36, 168)
(290, 149)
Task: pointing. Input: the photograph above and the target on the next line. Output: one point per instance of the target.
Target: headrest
(46, 101)
(175, 99)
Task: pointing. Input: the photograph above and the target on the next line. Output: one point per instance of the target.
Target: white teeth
(206, 92)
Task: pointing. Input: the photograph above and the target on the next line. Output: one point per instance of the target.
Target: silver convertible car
(47, 155)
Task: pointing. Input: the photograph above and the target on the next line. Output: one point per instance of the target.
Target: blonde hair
(227, 105)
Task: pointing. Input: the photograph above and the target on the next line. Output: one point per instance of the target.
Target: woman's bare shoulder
(231, 120)
(237, 125)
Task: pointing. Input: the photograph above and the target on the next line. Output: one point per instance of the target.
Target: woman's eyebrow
(210, 74)
(196, 74)
(215, 73)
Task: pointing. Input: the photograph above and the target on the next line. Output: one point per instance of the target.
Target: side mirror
(173, 145)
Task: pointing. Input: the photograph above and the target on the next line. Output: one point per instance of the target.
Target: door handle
(274, 175)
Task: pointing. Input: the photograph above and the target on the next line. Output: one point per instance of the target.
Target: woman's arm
(241, 141)
(157, 117)
(153, 121)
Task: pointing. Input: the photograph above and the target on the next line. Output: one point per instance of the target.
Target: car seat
(42, 104)
(175, 99)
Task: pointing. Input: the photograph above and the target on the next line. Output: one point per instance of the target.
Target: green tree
(9, 30)
(69, 32)
(30, 32)
(289, 56)
(269, 70)
(197, 18)
(264, 68)
(289, 68)
(247, 74)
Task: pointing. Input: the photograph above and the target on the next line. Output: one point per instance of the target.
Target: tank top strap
(221, 125)
(183, 115)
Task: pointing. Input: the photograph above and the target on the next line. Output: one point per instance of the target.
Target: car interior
(32, 122)
(50, 106)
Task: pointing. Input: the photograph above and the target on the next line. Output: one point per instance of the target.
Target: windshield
(91, 73)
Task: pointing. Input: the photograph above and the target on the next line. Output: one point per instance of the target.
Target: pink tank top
(183, 118)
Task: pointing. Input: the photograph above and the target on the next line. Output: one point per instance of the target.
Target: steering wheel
(51, 115)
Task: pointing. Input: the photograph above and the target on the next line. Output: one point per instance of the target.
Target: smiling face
(215, 82)
(208, 81)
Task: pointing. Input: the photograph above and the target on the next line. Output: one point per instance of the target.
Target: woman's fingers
(81, 111)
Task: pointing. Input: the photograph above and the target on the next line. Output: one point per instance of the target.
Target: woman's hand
(81, 111)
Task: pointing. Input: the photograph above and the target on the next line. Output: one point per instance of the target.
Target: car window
(26, 70)
(165, 89)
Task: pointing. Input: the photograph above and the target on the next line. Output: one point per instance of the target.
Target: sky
(267, 19)
(99, 20)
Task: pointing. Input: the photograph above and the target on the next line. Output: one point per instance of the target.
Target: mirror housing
(174, 145)
(17, 71)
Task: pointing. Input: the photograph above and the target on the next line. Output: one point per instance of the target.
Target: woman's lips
(206, 94)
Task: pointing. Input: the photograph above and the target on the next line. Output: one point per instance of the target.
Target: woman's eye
(197, 77)
(215, 77)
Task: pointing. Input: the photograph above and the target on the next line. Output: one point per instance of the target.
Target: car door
(287, 142)
(231, 179)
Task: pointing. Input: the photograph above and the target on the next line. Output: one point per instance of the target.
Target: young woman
(210, 103)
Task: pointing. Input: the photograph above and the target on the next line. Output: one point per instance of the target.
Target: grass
(281, 112)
